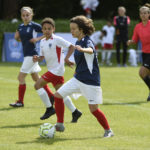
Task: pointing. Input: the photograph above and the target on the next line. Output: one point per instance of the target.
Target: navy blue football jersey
(87, 69)
(28, 32)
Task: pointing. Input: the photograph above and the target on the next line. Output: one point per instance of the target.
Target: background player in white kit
(108, 43)
(97, 37)
(89, 6)
(51, 48)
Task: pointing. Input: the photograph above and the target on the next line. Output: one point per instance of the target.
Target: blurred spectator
(89, 6)
(97, 37)
(121, 23)
(142, 33)
(132, 57)
(108, 43)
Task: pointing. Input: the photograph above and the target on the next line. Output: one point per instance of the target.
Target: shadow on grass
(127, 103)
(55, 140)
(22, 126)
(9, 108)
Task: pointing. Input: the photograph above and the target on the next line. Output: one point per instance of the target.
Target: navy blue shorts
(146, 60)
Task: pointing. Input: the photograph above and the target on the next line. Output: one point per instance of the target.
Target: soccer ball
(47, 130)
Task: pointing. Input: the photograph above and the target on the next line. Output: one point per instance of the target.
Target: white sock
(103, 55)
(69, 104)
(108, 56)
(44, 97)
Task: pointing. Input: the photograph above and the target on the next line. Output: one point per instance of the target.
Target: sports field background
(125, 106)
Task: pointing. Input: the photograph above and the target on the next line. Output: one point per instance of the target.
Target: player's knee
(93, 107)
(20, 79)
(36, 86)
(142, 73)
(57, 95)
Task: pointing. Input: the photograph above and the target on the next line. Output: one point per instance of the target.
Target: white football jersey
(109, 38)
(52, 50)
(91, 4)
(95, 37)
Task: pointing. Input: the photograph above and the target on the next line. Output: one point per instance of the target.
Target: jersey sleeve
(135, 36)
(63, 43)
(115, 21)
(128, 20)
(37, 27)
(19, 27)
(90, 44)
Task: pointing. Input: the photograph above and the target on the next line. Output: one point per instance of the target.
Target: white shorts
(92, 93)
(28, 66)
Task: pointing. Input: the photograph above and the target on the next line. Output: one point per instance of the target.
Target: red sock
(101, 119)
(48, 90)
(21, 89)
(59, 108)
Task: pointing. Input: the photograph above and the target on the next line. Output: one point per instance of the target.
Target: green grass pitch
(125, 106)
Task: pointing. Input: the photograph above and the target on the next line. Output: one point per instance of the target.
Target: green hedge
(61, 26)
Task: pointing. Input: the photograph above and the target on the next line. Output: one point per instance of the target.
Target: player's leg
(88, 12)
(35, 77)
(103, 56)
(118, 52)
(21, 90)
(124, 53)
(68, 88)
(44, 97)
(94, 96)
(76, 114)
(145, 75)
(108, 59)
(101, 118)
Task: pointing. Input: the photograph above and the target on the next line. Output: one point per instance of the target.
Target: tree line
(67, 8)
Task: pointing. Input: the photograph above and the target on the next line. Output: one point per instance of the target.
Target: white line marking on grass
(128, 104)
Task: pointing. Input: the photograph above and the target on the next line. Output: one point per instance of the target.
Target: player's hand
(129, 42)
(35, 58)
(69, 63)
(33, 40)
(79, 48)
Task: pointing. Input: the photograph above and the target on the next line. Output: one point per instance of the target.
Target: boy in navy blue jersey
(27, 34)
(86, 79)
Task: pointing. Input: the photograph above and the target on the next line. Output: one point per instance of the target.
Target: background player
(108, 42)
(142, 33)
(27, 34)
(121, 23)
(51, 48)
(86, 79)
(89, 6)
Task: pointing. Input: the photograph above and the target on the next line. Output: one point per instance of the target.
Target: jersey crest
(50, 45)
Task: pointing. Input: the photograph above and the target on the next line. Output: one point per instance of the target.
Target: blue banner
(12, 49)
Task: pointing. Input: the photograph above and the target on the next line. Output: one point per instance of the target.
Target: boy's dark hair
(104, 32)
(49, 21)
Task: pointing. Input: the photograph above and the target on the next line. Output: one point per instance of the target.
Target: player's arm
(17, 36)
(37, 58)
(88, 50)
(135, 37)
(70, 51)
(34, 40)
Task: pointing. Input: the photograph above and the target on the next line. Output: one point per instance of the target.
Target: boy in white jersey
(108, 43)
(51, 49)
